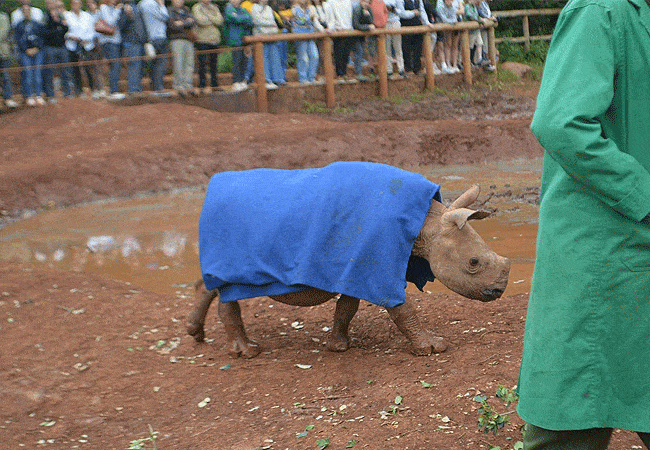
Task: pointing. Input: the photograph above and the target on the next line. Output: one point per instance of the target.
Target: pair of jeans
(182, 63)
(158, 64)
(32, 79)
(207, 60)
(357, 52)
(342, 47)
(273, 71)
(76, 56)
(283, 48)
(306, 60)
(56, 55)
(112, 52)
(412, 51)
(239, 62)
(134, 66)
(394, 44)
(5, 78)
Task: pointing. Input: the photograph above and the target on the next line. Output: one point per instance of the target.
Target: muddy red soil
(92, 362)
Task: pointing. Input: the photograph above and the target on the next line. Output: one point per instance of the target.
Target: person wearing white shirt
(110, 12)
(80, 41)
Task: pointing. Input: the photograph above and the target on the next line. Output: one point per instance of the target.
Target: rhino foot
(244, 347)
(194, 327)
(429, 344)
(340, 343)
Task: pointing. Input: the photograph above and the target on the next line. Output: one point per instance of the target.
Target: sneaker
(51, 101)
(436, 70)
(351, 80)
(11, 103)
(490, 68)
(362, 78)
(31, 101)
(402, 74)
(40, 101)
(446, 70)
(116, 96)
(96, 94)
(238, 87)
(455, 70)
(271, 86)
(318, 82)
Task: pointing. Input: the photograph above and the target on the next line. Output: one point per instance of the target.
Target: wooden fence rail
(382, 73)
(525, 14)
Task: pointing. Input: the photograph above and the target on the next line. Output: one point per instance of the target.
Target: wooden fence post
(492, 47)
(526, 33)
(260, 79)
(328, 65)
(427, 48)
(382, 65)
(467, 60)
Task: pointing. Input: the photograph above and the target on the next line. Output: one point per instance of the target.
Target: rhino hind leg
(196, 318)
(423, 342)
(346, 308)
(236, 339)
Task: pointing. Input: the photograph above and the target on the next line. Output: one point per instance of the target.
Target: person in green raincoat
(586, 359)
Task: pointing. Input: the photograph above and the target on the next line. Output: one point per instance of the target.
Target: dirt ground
(92, 362)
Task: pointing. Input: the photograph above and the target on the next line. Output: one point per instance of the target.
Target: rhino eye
(473, 262)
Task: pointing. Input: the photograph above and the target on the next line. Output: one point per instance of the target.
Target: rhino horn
(467, 198)
(460, 216)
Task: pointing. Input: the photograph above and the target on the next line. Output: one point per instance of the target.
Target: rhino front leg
(346, 308)
(196, 319)
(236, 339)
(423, 342)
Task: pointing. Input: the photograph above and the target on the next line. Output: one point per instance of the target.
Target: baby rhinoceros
(358, 230)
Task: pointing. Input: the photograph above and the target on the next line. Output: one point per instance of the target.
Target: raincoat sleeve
(574, 117)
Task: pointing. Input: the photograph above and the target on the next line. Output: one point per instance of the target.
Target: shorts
(475, 39)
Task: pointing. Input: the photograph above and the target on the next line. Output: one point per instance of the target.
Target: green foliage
(224, 63)
(507, 395)
(514, 51)
(321, 108)
(489, 419)
(504, 5)
(139, 444)
(540, 24)
(323, 443)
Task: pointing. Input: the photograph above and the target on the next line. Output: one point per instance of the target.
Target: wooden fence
(525, 14)
(382, 73)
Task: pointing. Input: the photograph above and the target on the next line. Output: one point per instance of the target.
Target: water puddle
(153, 241)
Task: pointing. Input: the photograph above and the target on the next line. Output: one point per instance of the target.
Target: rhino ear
(460, 216)
(467, 198)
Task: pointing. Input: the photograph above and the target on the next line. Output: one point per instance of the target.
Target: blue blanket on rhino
(346, 228)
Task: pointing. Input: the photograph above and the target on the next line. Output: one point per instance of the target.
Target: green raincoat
(586, 360)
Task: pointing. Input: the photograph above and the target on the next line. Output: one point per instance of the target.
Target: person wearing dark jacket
(414, 15)
(54, 50)
(28, 35)
(362, 20)
(134, 36)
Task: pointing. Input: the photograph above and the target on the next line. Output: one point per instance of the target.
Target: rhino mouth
(487, 295)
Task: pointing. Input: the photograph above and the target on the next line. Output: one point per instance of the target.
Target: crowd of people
(44, 43)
